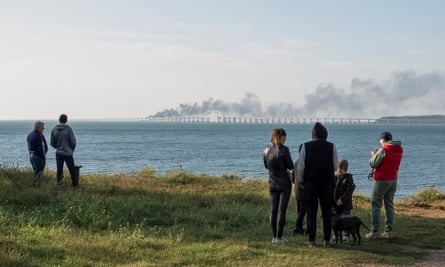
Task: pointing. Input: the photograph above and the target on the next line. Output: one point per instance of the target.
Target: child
(344, 187)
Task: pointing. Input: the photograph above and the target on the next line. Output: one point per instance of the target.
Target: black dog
(348, 224)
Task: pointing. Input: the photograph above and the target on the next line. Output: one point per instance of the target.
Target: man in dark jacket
(317, 163)
(37, 148)
(64, 141)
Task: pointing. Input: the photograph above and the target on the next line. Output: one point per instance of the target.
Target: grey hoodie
(63, 140)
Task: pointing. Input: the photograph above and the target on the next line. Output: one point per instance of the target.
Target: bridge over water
(279, 120)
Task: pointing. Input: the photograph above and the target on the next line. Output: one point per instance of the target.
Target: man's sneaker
(345, 238)
(274, 240)
(372, 235)
(386, 235)
(282, 240)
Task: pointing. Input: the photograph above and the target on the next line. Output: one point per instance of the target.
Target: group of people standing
(321, 180)
(63, 140)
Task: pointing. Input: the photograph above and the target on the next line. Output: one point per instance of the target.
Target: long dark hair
(277, 133)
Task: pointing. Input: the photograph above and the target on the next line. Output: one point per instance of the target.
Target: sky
(114, 59)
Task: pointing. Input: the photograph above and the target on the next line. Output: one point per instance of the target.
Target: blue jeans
(383, 192)
(38, 163)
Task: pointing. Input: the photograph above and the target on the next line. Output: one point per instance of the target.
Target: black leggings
(280, 200)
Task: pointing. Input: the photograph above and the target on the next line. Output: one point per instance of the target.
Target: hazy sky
(96, 59)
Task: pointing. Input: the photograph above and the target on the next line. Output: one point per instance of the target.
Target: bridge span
(259, 120)
(277, 120)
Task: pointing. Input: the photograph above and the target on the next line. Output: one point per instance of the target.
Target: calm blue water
(217, 149)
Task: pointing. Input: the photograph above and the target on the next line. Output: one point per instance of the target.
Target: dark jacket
(37, 144)
(278, 162)
(63, 140)
(319, 163)
(344, 187)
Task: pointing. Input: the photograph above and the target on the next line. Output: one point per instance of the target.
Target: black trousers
(69, 160)
(315, 194)
(280, 201)
(301, 212)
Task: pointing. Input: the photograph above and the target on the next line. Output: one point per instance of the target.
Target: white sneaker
(274, 240)
(386, 234)
(372, 235)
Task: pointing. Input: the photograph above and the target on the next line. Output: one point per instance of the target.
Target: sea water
(230, 149)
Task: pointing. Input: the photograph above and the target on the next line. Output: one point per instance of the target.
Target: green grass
(178, 219)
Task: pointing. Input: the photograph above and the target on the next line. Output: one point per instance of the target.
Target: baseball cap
(387, 136)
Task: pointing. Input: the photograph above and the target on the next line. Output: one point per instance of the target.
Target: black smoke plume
(405, 93)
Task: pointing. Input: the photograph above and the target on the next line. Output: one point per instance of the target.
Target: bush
(429, 195)
(181, 177)
(147, 173)
(232, 177)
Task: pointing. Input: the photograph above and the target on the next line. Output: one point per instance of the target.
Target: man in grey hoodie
(64, 141)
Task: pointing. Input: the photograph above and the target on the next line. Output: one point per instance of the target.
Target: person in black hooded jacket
(316, 167)
(278, 161)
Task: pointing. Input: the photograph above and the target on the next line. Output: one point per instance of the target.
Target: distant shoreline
(417, 117)
(413, 120)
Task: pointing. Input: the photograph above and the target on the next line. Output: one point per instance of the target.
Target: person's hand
(339, 202)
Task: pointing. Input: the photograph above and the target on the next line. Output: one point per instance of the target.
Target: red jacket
(389, 166)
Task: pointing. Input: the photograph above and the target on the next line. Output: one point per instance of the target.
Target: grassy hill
(185, 219)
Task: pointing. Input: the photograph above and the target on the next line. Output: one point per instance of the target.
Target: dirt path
(435, 258)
